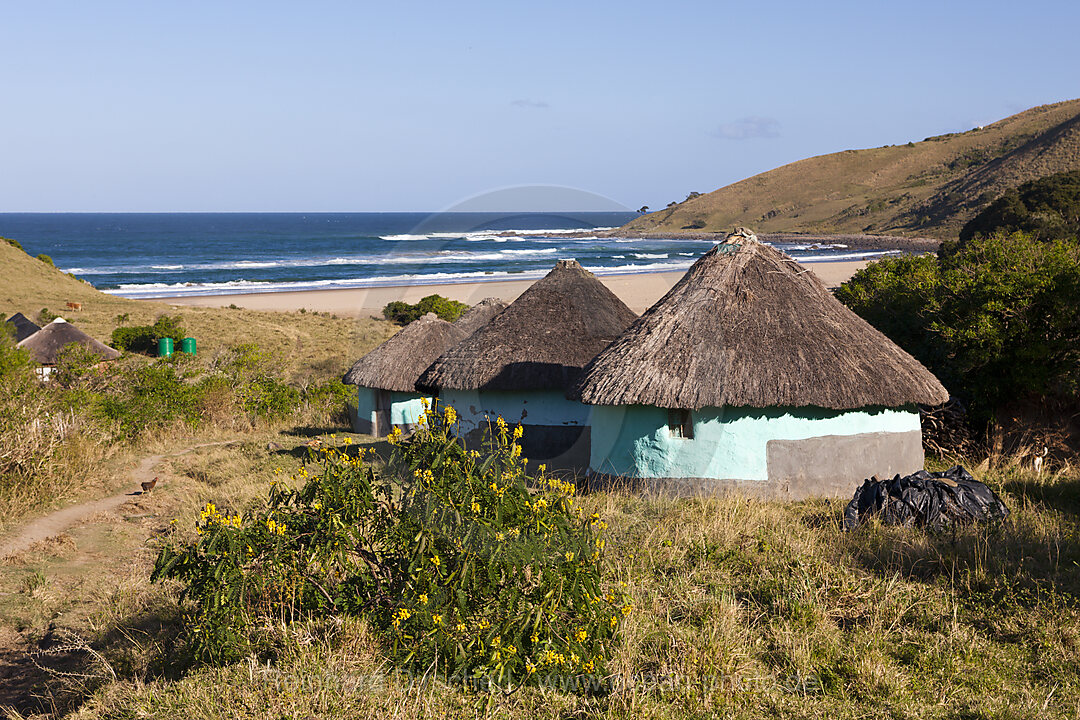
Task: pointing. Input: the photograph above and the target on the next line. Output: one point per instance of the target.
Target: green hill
(929, 188)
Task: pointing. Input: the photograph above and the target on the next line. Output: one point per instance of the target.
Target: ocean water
(174, 254)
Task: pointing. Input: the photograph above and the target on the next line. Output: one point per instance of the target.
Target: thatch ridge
(747, 326)
(398, 362)
(479, 315)
(45, 345)
(24, 326)
(541, 341)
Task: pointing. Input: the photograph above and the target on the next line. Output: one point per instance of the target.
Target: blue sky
(275, 106)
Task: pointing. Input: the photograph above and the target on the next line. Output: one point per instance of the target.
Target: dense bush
(26, 409)
(995, 319)
(13, 243)
(463, 562)
(144, 338)
(403, 313)
(46, 259)
(1047, 209)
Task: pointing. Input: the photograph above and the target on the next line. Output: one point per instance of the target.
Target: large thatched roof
(479, 315)
(541, 341)
(398, 362)
(748, 326)
(45, 345)
(24, 327)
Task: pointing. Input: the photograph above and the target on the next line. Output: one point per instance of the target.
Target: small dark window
(680, 423)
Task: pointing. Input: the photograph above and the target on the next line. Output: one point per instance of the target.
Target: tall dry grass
(742, 608)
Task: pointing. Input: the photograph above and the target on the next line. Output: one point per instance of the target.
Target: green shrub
(143, 338)
(1047, 208)
(461, 561)
(149, 397)
(994, 320)
(24, 402)
(13, 243)
(45, 317)
(46, 259)
(403, 313)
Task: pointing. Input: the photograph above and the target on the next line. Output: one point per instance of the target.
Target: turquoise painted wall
(529, 407)
(405, 408)
(365, 404)
(728, 443)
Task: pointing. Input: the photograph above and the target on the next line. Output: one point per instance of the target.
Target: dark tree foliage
(143, 338)
(1047, 209)
(403, 313)
(994, 320)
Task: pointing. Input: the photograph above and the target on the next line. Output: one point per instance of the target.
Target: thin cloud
(749, 128)
(531, 104)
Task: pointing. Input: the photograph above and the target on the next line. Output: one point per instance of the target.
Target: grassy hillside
(303, 343)
(927, 188)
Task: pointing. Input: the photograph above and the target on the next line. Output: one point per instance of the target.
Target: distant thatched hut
(386, 377)
(22, 326)
(479, 315)
(45, 345)
(520, 364)
(750, 374)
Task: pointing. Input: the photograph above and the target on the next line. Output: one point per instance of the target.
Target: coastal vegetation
(733, 606)
(926, 188)
(403, 313)
(995, 319)
(144, 338)
(1047, 208)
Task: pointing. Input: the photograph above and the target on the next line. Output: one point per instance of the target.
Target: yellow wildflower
(437, 619)
(423, 598)
(460, 627)
(435, 560)
(475, 506)
(518, 432)
(569, 556)
(580, 635)
(450, 415)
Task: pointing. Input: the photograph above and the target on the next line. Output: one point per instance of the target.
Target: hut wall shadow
(532, 375)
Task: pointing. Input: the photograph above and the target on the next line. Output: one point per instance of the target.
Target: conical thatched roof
(479, 315)
(748, 326)
(541, 341)
(398, 362)
(45, 345)
(24, 327)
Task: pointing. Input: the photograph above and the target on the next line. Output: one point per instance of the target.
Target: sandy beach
(638, 291)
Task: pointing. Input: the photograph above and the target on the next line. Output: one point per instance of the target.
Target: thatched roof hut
(747, 326)
(541, 341)
(45, 345)
(479, 315)
(398, 362)
(24, 327)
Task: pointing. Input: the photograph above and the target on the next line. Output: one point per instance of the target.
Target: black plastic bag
(923, 499)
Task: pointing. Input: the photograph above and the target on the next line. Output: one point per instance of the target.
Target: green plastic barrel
(164, 347)
(187, 345)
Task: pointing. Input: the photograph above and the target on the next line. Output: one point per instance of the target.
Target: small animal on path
(149, 485)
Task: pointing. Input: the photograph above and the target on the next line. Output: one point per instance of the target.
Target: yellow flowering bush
(502, 575)
(459, 557)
